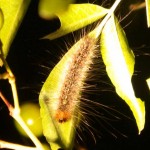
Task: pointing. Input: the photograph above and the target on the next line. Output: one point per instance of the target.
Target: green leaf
(148, 11)
(59, 135)
(148, 83)
(119, 61)
(48, 8)
(76, 17)
(13, 12)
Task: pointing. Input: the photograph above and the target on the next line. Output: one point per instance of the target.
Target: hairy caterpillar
(70, 93)
(67, 77)
(73, 80)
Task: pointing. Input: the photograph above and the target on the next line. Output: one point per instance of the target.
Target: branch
(15, 111)
(8, 145)
(10, 76)
(137, 6)
(110, 13)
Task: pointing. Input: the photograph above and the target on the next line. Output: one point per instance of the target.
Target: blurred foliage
(48, 8)
(76, 17)
(148, 11)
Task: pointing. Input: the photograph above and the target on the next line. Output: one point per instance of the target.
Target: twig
(9, 106)
(137, 6)
(8, 145)
(15, 111)
(19, 119)
(110, 12)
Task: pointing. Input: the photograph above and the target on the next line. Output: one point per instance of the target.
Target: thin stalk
(110, 12)
(35, 140)
(8, 145)
(15, 111)
(11, 79)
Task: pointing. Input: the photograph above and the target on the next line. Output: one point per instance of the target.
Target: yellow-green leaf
(60, 135)
(119, 61)
(48, 8)
(148, 12)
(76, 17)
(13, 12)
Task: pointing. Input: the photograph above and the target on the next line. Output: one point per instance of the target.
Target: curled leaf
(76, 17)
(48, 8)
(119, 61)
(60, 94)
(60, 135)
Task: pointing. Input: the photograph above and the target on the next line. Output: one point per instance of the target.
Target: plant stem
(137, 6)
(28, 131)
(110, 12)
(8, 145)
(11, 79)
(15, 111)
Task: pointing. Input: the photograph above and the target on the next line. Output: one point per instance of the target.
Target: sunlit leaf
(119, 61)
(48, 8)
(13, 12)
(61, 135)
(76, 17)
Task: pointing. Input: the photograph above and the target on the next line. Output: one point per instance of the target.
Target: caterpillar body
(72, 71)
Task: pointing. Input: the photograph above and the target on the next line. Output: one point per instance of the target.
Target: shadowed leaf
(60, 135)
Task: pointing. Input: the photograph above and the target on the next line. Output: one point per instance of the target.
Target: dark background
(29, 53)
